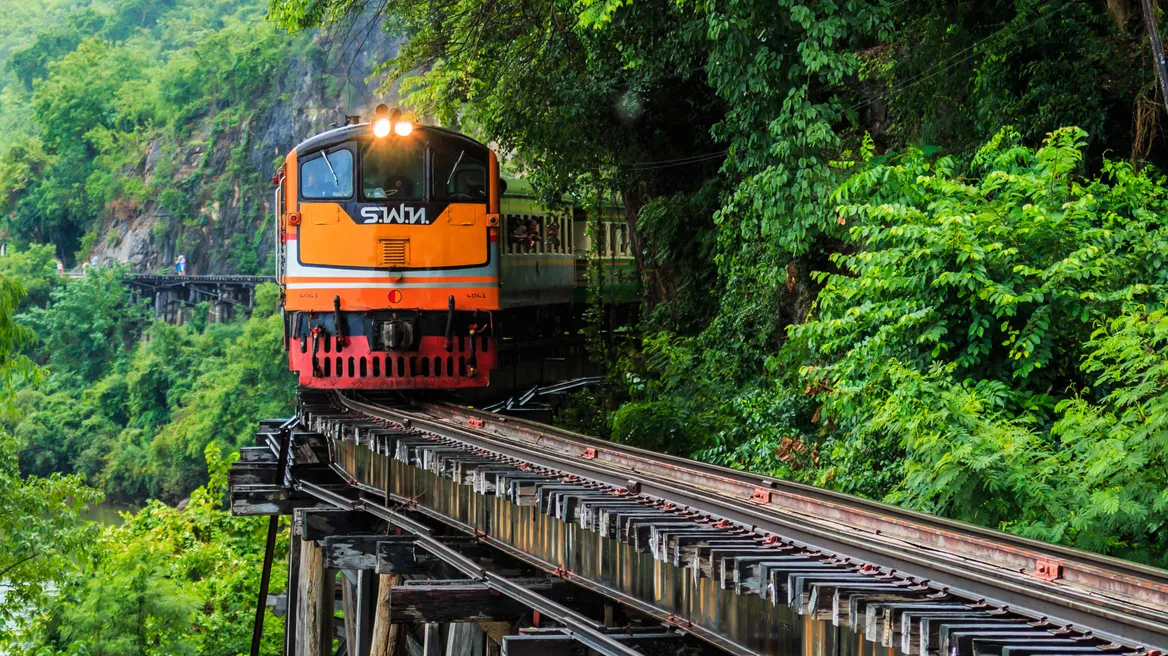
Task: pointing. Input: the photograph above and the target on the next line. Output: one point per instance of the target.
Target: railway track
(730, 558)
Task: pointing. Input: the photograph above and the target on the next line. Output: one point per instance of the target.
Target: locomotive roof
(363, 130)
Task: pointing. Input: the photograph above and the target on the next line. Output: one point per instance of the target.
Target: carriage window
(392, 170)
(328, 176)
(459, 176)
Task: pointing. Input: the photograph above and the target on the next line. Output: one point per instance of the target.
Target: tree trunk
(656, 286)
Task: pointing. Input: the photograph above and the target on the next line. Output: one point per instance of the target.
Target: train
(406, 260)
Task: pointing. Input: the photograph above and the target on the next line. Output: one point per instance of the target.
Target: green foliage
(1115, 450)
(91, 95)
(957, 347)
(90, 323)
(135, 417)
(250, 379)
(974, 68)
(40, 531)
(167, 581)
(1003, 277)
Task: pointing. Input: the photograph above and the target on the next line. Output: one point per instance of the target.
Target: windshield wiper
(453, 170)
(336, 180)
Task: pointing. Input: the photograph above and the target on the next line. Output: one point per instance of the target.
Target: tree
(958, 348)
(90, 323)
(35, 270)
(248, 380)
(39, 529)
(167, 581)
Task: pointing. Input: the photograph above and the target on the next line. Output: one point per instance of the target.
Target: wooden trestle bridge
(428, 529)
(174, 297)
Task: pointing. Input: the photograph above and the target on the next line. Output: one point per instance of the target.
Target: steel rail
(1116, 619)
(583, 629)
(745, 482)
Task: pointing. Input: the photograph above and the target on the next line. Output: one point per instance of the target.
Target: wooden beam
(315, 603)
(401, 555)
(457, 601)
(386, 635)
(432, 644)
(464, 639)
(242, 474)
(266, 500)
(496, 631)
(349, 603)
(293, 591)
(366, 613)
(542, 644)
(353, 552)
(321, 524)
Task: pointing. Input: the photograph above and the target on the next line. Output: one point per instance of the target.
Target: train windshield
(459, 175)
(328, 176)
(393, 170)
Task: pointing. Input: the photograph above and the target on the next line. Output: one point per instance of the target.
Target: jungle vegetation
(101, 402)
(914, 251)
(909, 250)
(112, 110)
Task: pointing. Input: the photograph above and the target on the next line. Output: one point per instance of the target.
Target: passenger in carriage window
(553, 234)
(518, 233)
(532, 234)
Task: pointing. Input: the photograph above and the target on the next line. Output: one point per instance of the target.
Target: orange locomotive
(388, 254)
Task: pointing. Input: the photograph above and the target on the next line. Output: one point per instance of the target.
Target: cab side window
(328, 175)
(459, 175)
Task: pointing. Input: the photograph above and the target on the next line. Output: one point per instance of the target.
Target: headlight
(381, 127)
(402, 128)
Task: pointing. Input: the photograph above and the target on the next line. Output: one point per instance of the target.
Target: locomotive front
(387, 239)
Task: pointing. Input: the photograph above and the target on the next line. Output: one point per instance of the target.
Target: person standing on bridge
(180, 265)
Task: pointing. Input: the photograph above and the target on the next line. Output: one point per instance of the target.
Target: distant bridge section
(176, 297)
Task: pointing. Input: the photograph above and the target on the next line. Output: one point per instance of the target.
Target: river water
(108, 513)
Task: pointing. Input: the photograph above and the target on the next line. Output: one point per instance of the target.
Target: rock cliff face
(226, 166)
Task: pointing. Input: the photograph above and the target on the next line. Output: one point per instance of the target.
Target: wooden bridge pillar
(314, 622)
(386, 635)
(432, 646)
(366, 612)
(465, 638)
(293, 592)
(174, 297)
